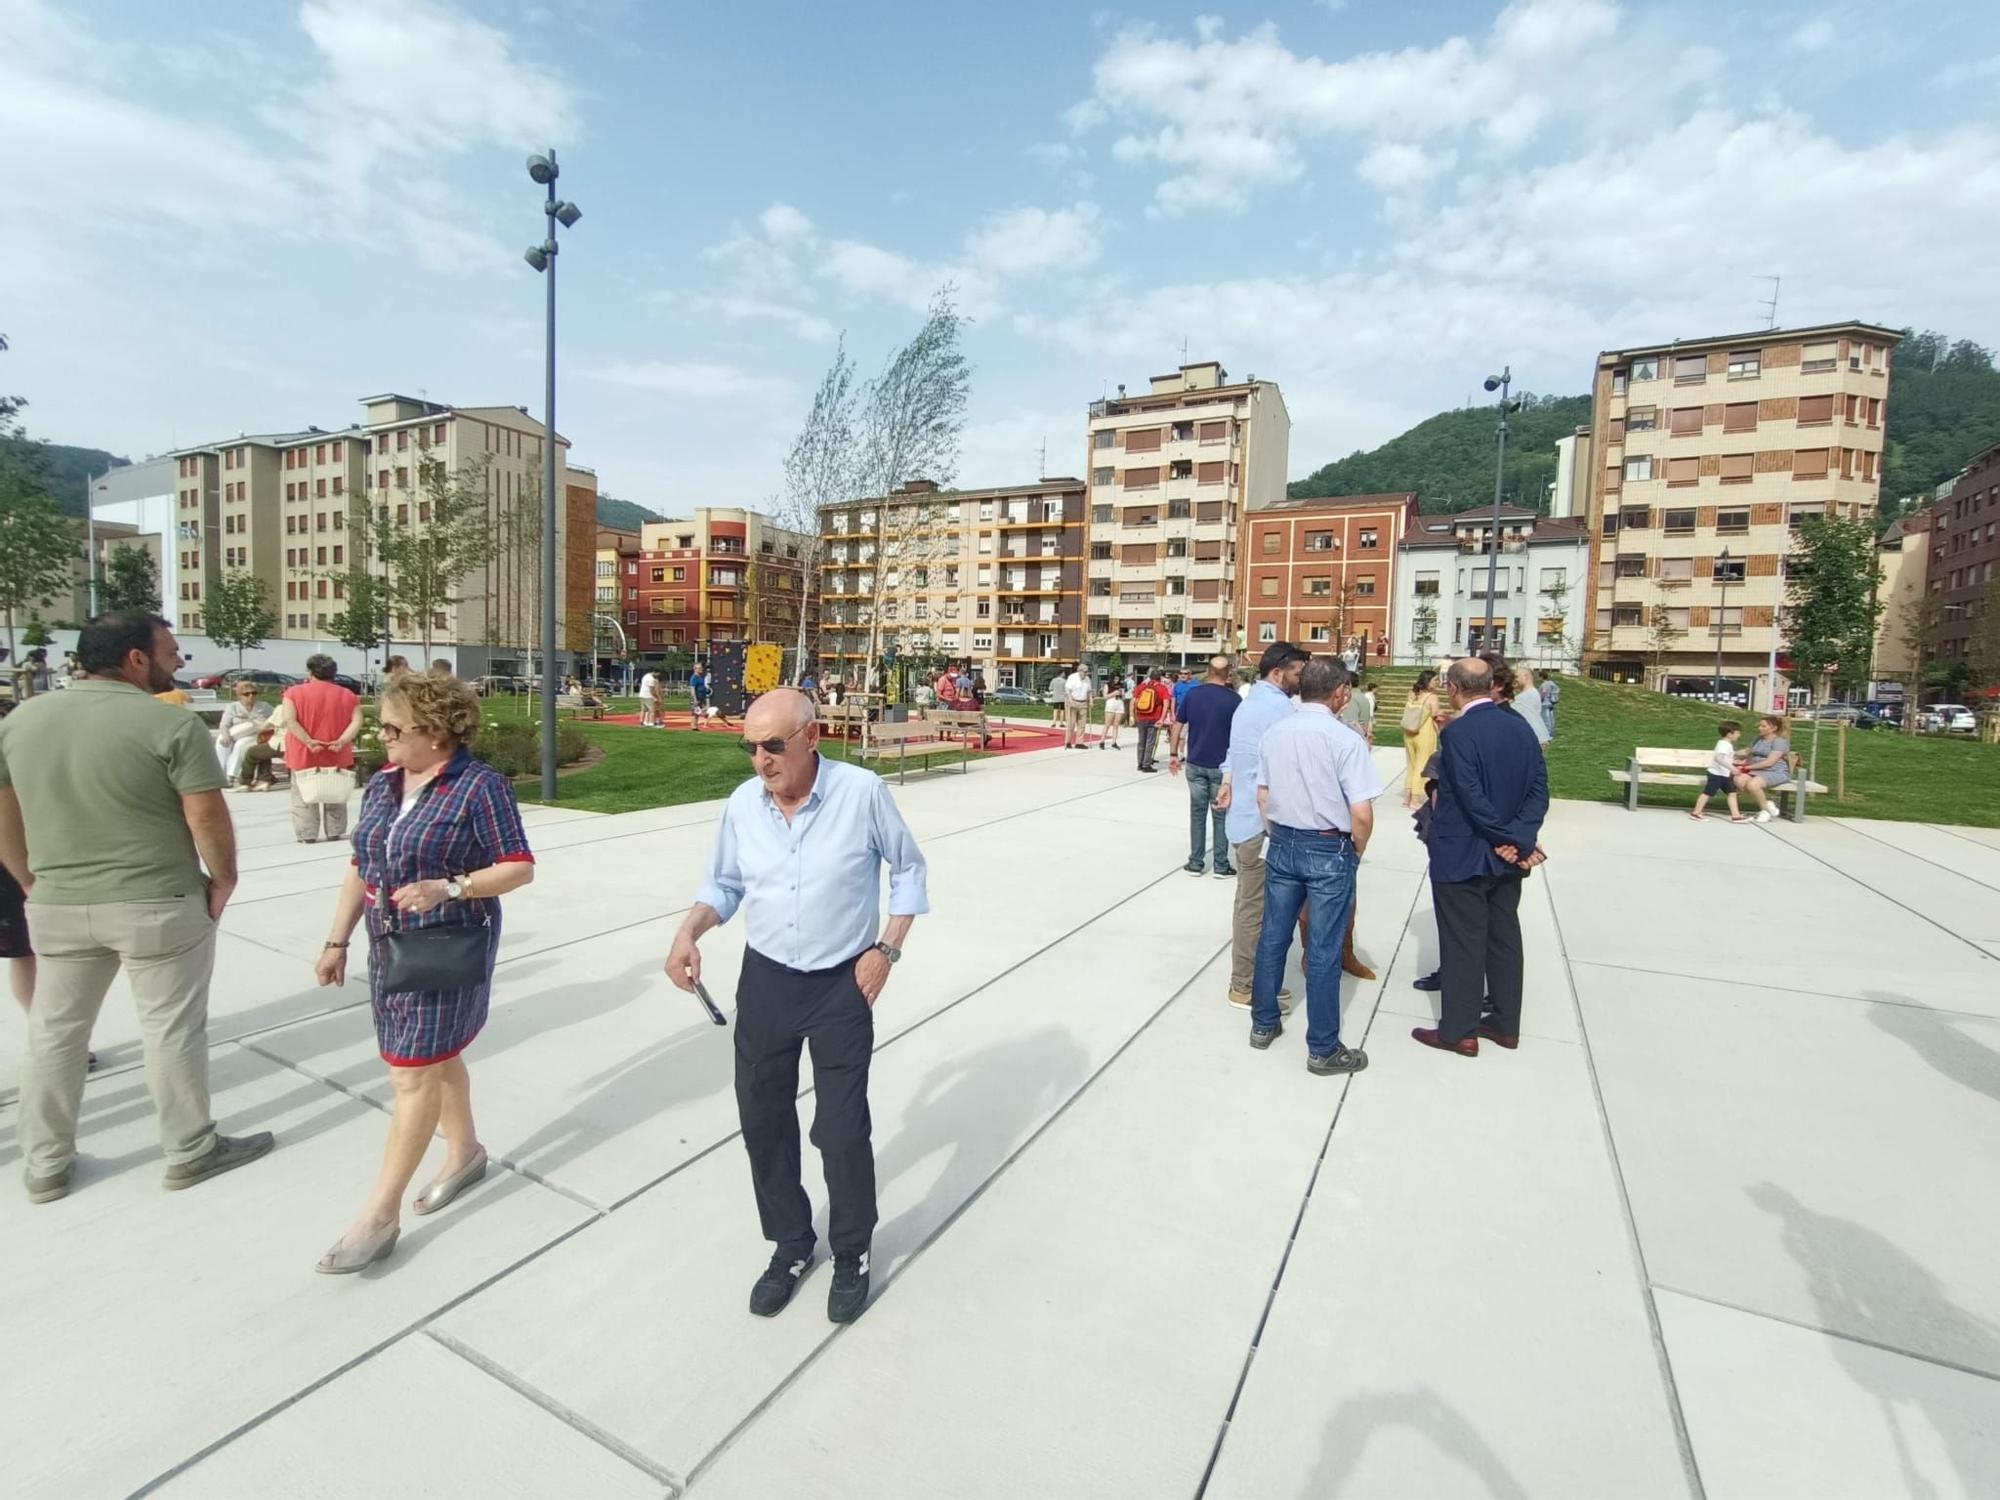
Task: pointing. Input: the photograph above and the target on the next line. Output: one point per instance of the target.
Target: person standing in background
(323, 721)
(1114, 712)
(1552, 692)
(110, 806)
(1207, 711)
(1270, 702)
(1184, 683)
(1076, 708)
(1152, 703)
(1420, 731)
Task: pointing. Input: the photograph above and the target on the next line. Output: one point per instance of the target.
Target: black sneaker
(849, 1293)
(1195, 868)
(780, 1279)
(1262, 1039)
(1431, 981)
(1339, 1060)
(1225, 872)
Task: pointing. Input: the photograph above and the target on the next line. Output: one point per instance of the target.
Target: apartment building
(1569, 491)
(615, 588)
(1711, 453)
(995, 575)
(1537, 612)
(1173, 472)
(1903, 557)
(294, 509)
(723, 574)
(1320, 572)
(1964, 558)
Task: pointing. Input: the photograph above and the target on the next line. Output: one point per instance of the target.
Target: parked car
(1948, 718)
(262, 676)
(1853, 715)
(1009, 695)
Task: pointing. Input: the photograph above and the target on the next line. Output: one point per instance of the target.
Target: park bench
(845, 719)
(584, 705)
(1667, 766)
(970, 724)
(905, 742)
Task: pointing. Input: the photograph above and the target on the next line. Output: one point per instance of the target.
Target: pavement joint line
(1831, 1333)
(917, 1025)
(1783, 989)
(956, 1214)
(1299, 1218)
(355, 1362)
(1682, 1437)
(1850, 825)
(577, 1422)
(1966, 837)
(1884, 895)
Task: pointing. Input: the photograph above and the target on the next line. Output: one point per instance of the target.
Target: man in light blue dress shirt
(800, 850)
(1270, 702)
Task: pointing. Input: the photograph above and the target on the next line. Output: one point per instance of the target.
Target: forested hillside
(56, 471)
(1944, 407)
(1448, 458)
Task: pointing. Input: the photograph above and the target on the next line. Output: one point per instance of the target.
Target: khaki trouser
(1076, 721)
(1249, 912)
(306, 816)
(167, 948)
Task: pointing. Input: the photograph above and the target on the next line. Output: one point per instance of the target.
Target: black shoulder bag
(414, 960)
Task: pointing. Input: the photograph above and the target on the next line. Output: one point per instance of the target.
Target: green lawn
(1921, 778)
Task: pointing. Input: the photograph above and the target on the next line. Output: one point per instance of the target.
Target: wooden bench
(584, 705)
(969, 724)
(1667, 766)
(903, 743)
(844, 718)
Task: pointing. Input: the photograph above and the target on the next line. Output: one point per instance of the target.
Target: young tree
(1661, 632)
(37, 634)
(911, 417)
(1423, 626)
(38, 547)
(1832, 603)
(443, 535)
(237, 613)
(364, 621)
(131, 582)
(820, 471)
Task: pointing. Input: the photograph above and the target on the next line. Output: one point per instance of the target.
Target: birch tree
(441, 536)
(820, 470)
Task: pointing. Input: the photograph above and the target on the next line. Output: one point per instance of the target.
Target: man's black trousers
(777, 1010)
(1479, 939)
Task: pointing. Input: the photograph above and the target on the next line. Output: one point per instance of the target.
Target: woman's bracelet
(324, 946)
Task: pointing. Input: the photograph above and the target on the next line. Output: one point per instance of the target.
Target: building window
(1364, 588)
(1727, 570)
(1631, 565)
(402, 438)
(1618, 382)
(1683, 471)
(1101, 476)
(1809, 463)
(437, 433)
(1646, 369)
(1427, 585)
(1642, 419)
(1271, 542)
(1625, 614)
(1267, 633)
(1101, 514)
(1103, 439)
(1686, 421)
(1369, 537)
(1737, 467)
(1318, 634)
(1319, 541)
(1817, 357)
(1639, 466)
(1746, 364)
(1690, 369)
(1316, 588)
(1678, 522)
(1815, 411)
(1732, 520)
(1267, 588)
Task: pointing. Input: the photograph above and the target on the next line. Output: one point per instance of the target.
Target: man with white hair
(800, 850)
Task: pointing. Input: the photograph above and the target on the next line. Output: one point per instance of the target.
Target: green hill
(59, 472)
(1448, 458)
(1944, 407)
(611, 511)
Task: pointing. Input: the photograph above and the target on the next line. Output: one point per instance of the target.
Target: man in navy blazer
(1493, 792)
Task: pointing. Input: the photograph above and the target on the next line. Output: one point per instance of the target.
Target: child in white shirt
(1721, 774)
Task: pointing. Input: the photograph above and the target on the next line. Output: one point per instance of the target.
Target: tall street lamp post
(1722, 580)
(542, 257)
(1501, 383)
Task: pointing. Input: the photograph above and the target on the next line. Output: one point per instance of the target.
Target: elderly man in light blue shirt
(800, 851)
(1270, 702)
(1316, 787)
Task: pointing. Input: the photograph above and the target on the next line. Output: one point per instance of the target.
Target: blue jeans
(1204, 785)
(1303, 866)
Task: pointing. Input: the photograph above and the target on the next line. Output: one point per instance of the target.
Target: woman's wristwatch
(455, 886)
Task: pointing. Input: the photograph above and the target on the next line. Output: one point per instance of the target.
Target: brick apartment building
(1964, 558)
(1320, 572)
(723, 574)
(1711, 453)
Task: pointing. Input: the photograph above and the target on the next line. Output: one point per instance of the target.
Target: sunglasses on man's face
(771, 747)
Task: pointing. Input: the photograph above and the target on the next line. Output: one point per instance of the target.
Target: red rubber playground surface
(1020, 737)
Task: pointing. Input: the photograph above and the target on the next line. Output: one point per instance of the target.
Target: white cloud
(805, 325)
(1007, 448)
(1816, 35)
(1025, 240)
(695, 381)
(1226, 117)
(783, 223)
(1393, 166)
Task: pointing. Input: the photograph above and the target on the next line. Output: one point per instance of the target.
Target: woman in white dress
(241, 722)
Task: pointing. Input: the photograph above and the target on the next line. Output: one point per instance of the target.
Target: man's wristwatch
(454, 886)
(894, 955)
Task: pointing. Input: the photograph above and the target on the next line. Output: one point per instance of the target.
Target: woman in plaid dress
(440, 838)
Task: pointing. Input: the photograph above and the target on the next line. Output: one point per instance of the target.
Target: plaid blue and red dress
(464, 820)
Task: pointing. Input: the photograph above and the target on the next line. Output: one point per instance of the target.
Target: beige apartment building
(293, 508)
(1710, 454)
(995, 575)
(1172, 473)
(722, 574)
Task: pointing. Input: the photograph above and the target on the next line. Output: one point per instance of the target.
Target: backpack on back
(1146, 700)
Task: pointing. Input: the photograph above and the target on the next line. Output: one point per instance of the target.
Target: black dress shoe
(849, 1293)
(1431, 981)
(781, 1278)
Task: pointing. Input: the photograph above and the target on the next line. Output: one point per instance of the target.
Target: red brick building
(723, 575)
(1320, 572)
(1964, 557)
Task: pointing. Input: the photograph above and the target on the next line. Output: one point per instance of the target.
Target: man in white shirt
(1076, 709)
(646, 701)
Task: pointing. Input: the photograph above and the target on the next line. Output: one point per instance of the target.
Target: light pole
(1721, 593)
(90, 528)
(542, 257)
(1500, 383)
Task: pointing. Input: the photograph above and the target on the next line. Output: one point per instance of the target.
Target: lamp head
(537, 257)
(567, 214)
(542, 169)
(1492, 382)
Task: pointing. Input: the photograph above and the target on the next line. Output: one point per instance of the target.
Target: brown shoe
(1498, 1038)
(227, 1154)
(1431, 1037)
(1352, 965)
(48, 1189)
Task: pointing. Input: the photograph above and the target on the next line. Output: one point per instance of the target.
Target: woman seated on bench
(1766, 764)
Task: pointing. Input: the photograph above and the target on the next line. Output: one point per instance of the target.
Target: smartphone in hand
(708, 1004)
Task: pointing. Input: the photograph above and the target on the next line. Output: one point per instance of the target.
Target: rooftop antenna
(1770, 303)
(1045, 459)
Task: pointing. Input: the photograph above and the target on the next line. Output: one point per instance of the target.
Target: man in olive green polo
(107, 797)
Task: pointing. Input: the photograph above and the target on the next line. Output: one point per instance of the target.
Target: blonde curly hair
(437, 704)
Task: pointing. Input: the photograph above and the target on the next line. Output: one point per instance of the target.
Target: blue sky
(242, 216)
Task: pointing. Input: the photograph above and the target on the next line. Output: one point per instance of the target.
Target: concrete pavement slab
(952, 1100)
(1949, 895)
(415, 1420)
(1946, 848)
(1785, 1153)
(1109, 1279)
(1461, 1300)
(160, 1322)
(1779, 1410)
